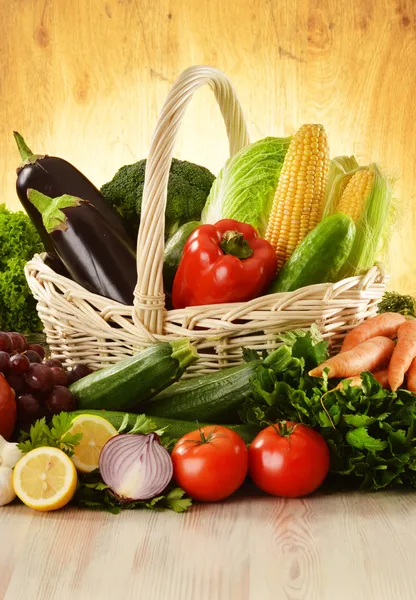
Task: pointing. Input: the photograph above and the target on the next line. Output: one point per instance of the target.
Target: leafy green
(93, 493)
(369, 430)
(55, 435)
(245, 187)
(19, 241)
(398, 303)
(142, 425)
(188, 187)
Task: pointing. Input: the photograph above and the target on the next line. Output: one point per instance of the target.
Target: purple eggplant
(54, 177)
(92, 251)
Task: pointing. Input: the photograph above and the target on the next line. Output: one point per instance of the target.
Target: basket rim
(376, 272)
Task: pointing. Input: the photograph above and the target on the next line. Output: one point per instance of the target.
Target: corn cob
(355, 194)
(338, 168)
(365, 195)
(298, 201)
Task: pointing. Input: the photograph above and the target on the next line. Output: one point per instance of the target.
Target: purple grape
(5, 342)
(33, 356)
(60, 376)
(4, 362)
(28, 407)
(16, 382)
(18, 341)
(39, 378)
(52, 362)
(78, 372)
(60, 399)
(38, 349)
(19, 364)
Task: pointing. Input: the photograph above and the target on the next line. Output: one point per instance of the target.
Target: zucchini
(175, 428)
(134, 380)
(320, 256)
(174, 250)
(214, 398)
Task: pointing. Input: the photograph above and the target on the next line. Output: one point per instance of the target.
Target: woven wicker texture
(85, 328)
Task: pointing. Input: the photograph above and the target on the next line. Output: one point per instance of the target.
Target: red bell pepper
(225, 262)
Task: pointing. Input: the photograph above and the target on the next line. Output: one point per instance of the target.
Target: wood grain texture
(86, 79)
(338, 546)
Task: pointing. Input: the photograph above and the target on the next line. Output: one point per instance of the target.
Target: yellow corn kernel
(298, 201)
(355, 195)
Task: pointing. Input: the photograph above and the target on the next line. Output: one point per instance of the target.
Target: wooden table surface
(351, 546)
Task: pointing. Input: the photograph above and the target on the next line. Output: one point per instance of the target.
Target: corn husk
(374, 224)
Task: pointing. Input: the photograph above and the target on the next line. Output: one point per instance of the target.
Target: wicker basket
(86, 328)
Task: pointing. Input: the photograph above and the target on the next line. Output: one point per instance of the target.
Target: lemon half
(45, 479)
(96, 431)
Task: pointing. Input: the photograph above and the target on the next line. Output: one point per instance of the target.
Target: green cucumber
(174, 250)
(132, 381)
(214, 398)
(320, 256)
(175, 428)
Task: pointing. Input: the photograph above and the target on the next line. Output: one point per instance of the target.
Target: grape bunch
(40, 384)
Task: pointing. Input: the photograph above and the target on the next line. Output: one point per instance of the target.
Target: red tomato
(288, 459)
(211, 463)
(7, 409)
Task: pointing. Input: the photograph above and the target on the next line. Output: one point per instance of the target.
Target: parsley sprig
(56, 435)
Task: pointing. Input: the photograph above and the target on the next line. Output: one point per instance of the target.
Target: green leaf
(397, 440)
(143, 425)
(324, 420)
(124, 423)
(55, 436)
(249, 355)
(361, 439)
(38, 436)
(359, 420)
(175, 500)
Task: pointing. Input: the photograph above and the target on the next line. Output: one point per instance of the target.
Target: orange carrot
(367, 356)
(403, 355)
(385, 324)
(411, 376)
(382, 378)
(355, 381)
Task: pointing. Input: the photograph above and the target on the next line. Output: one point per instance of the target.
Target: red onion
(135, 467)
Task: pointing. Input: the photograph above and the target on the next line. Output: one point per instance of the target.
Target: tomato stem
(206, 439)
(282, 428)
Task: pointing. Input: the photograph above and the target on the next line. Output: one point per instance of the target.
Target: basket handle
(149, 298)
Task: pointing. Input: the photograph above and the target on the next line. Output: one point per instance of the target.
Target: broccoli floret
(399, 303)
(19, 241)
(188, 188)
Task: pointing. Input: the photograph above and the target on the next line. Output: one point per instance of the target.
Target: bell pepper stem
(234, 243)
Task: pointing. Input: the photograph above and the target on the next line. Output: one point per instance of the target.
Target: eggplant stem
(50, 208)
(25, 152)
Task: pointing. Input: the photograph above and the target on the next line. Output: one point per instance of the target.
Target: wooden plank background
(85, 80)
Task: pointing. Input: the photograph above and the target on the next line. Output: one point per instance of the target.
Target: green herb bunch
(19, 241)
(369, 430)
